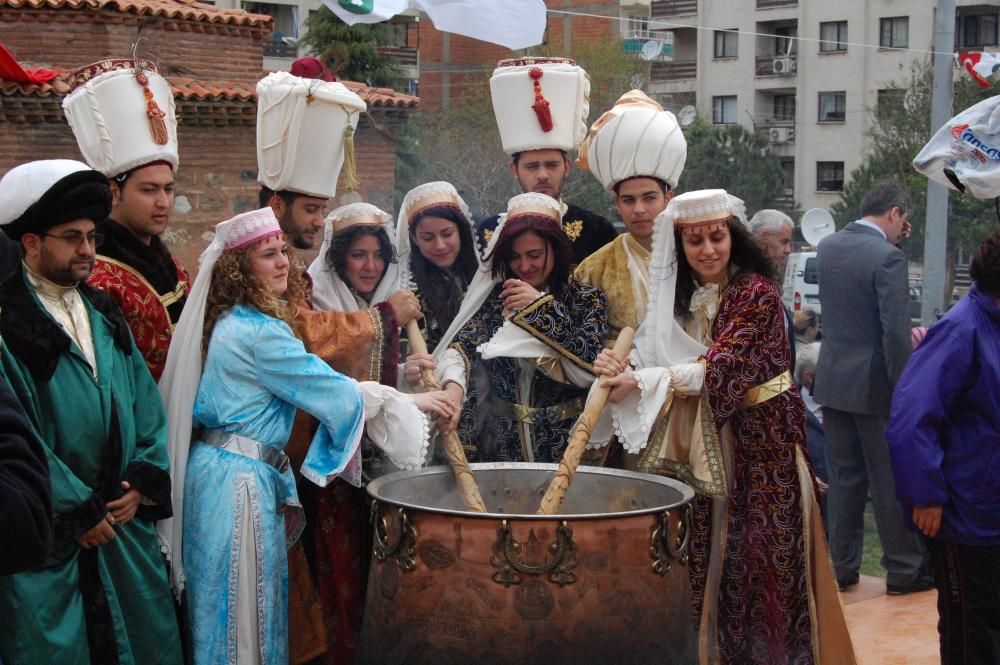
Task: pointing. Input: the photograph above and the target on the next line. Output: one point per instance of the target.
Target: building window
(894, 32)
(833, 37)
(785, 42)
(889, 101)
(829, 176)
(784, 108)
(638, 26)
(724, 110)
(832, 106)
(726, 44)
(980, 30)
(788, 174)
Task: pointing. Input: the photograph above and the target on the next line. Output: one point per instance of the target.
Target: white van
(801, 286)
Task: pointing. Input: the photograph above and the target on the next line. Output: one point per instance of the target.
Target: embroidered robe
(574, 324)
(147, 283)
(609, 269)
(108, 605)
(328, 567)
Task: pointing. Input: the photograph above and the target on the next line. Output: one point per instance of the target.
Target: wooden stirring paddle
(556, 491)
(452, 446)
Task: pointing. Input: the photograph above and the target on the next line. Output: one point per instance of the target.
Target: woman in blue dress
(240, 507)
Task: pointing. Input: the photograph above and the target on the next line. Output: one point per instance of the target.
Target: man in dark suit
(866, 342)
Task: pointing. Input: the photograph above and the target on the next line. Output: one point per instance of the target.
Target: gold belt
(767, 390)
(537, 415)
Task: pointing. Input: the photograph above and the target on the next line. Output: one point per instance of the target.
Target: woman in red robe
(730, 422)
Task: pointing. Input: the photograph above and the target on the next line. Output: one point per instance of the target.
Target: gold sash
(767, 390)
(537, 415)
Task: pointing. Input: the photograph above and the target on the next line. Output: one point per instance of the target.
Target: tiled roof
(187, 89)
(382, 96)
(190, 10)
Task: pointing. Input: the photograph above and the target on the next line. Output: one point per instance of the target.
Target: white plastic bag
(964, 154)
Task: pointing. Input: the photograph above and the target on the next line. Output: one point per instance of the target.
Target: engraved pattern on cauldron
(617, 612)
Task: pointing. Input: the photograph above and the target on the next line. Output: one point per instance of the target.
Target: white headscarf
(330, 292)
(419, 198)
(661, 341)
(484, 282)
(182, 374)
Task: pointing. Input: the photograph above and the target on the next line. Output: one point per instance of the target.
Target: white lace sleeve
(634, 417)
(395, 424)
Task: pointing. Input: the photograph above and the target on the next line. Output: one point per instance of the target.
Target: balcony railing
(400, 55)
(636, 40)
(769, 4)
(669, 8)
(673, 71)
(776, 65)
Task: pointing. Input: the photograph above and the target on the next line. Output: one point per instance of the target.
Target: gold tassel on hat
(351, 182)
(154, 114)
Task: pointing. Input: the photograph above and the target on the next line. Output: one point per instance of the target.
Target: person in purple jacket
(944, 441)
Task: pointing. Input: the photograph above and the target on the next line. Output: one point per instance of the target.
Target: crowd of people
(182, 463)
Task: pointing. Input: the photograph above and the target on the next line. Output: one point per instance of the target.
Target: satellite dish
(817, 224)
(651, 49)
(687, 115)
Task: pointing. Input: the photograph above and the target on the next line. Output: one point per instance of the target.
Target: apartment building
(805, 73)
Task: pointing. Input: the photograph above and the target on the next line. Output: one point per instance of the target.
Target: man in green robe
(101, 598)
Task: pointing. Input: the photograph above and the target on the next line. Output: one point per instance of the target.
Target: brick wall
(217, 177)
(72, 38)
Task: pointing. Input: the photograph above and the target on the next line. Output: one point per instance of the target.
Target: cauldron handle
(453, 447)
(556, 491)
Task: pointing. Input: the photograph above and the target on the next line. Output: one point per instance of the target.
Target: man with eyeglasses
(139, 157)
(71, 362)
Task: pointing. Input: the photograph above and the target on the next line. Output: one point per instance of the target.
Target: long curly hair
(745, 256)
(548, 230)
(232, 284)
(440, 294)
(985, 266)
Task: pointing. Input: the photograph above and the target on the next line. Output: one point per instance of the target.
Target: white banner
(516, 24)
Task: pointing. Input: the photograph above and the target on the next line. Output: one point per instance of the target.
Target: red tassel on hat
(155, 115)
(541, 105)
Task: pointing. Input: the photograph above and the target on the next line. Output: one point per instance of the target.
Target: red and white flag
(516, 24)
(980, 66)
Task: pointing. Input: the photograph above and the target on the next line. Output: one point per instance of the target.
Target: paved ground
(891, 630)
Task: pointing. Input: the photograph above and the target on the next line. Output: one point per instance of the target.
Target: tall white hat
(636, 138)
(305, 130)
(540, 103)
(122, 114)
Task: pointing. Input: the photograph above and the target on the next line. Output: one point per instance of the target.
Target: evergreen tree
(352, 51)
(736, 159)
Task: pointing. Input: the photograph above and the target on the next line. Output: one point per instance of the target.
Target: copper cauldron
(605, 581)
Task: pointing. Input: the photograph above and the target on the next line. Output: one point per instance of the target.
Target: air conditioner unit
(783, 65)
(781, 134)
